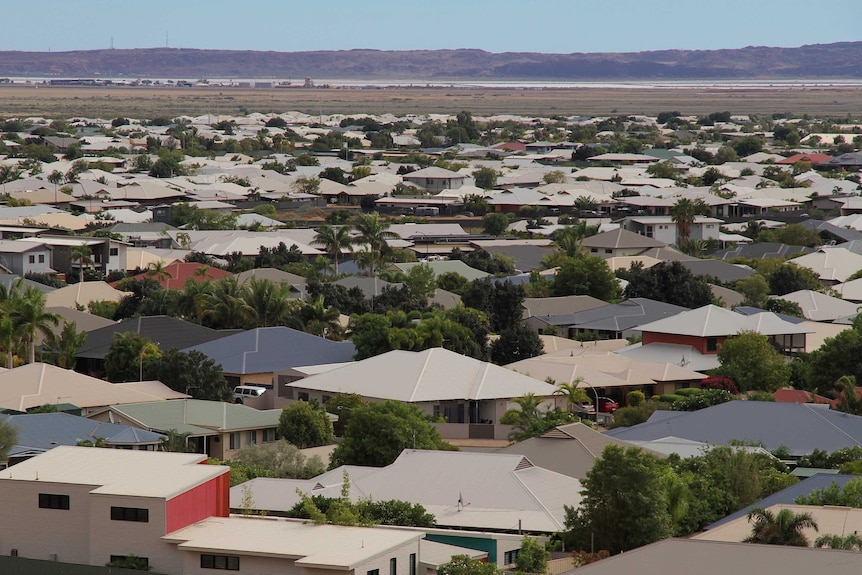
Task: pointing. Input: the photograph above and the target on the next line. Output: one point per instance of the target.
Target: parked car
(608, 405)
(243, 392)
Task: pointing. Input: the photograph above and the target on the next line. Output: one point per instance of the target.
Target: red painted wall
(699, 343)
(210, 499)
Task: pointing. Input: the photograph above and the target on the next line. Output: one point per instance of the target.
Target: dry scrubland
(151, 102)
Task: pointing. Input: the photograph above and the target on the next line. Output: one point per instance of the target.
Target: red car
(608, 405)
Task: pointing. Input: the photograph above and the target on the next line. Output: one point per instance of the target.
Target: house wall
(41, 262)
(615, 252)
(704, 231)
(118, 262)
(45, 533)
(110, 537)
(210, 499)
(699, 343)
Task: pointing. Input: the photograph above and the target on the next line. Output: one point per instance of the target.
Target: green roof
(198, 417)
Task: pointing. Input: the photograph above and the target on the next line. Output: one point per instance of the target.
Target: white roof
(435, 374)
(316, 546)
(818, 306)
(82, 293)
(831, 264)
(118, 471)
(714, 321)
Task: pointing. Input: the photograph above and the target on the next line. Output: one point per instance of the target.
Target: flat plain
(150, 102)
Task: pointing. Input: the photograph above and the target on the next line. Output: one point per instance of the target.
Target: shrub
(719, 382)
(635, 398)
(688, 391)
(702, 399)
(670, 397)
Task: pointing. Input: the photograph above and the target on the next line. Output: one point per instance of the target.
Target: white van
(241, 392)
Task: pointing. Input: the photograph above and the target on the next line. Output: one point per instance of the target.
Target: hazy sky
(494, 25)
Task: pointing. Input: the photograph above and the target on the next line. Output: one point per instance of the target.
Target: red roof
(799, 396)
(512, 146)
(813, 158)
(179, 272)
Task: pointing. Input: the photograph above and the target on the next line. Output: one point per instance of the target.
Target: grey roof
(526, 258)
(724, 271)
(839, 233)
(621, 239)
(570, 304)
(44, 431)
(621, 316)
(789, 495)
(714, 321)
(129, 228)
(272, 349)
(371, 287)
(8, 280)
(166, 332)
(672, 556)
(800, 427)
(568, 449)
(761, 250)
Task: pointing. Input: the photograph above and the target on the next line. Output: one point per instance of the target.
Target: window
(41, 258)
(412, 564)
(251, 437)
(224, 562)
(52, 501)
(594, 250)
(130, 514)
(288, 392)
(374, 572)
(114, 251)
(269, 434)
(509, 557)
(325, 399)
(302, 396)
(31, 259)
(235, 440)
(609, 251)
(393, 566)
(711, 344)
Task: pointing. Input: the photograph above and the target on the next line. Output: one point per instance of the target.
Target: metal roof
(197, 416)
(43, 431)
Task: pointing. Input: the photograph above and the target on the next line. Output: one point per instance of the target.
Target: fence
(22, 566)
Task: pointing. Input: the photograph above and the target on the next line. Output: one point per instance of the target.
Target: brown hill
(839, 60)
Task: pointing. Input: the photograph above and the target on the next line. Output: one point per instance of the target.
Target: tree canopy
(305, 425)
(752, 363)
(669, 282)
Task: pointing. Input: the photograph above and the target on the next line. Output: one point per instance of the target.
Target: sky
(550, 26)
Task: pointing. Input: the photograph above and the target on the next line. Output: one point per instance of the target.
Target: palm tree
(334, 240)
(30, 318)
(226, 304)
(374, 234)
(157, 271)
(56, 178)
(191, 301)
(851, 542)
(269, 302)
(320, 320)
(683, 213)
(782, 528)
(81, 254)
(65, 346)
(8, 338)
(574, 395)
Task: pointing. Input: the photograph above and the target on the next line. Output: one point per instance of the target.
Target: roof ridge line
(421, 374)
(817, 413)
(533, 495)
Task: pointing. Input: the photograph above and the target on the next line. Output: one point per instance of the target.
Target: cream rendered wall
(109, 537)
(402, 556)
(38, 533)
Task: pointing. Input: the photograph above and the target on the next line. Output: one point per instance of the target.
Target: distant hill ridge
(838, 60)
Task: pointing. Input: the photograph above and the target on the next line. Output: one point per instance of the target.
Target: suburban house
(610, 321)
(93, 506)
(176, 274)
(800, 427)
(470, 393)
(22, 258)
(256, 356)
(216, 428)
(82, 294)
(106, 255)
(818, 306)
(833, 265)
(452, 485)
(621, 242)
(36, 384)
(39, 432)
(664, 229)
(434, 179)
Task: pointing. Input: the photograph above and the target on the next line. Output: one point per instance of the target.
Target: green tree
(496, 223)
(30, 319)
(305, 425)
(554, 177)
(193, 373)
(755, 290)
(373, 235)
(514, 344)
(533, 557)
(278, 459)
(62, 348)
(782, 528)
(376, 434)
(683, 213)
(466, 565)
(334, 240)
(500, 301)
(8, 437)
(624, 504)
(342, 405)
(420, 279)
(849, 542)
(130, 357)
(669, 282)
(452, 282)
(268, 302)
(485, 178)
(789, 277)
(753, 363)
(586, 275)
